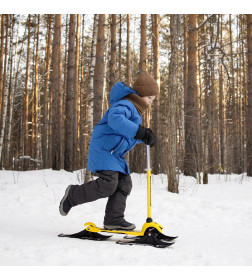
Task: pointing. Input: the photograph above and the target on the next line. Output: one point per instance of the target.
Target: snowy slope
(214, 222)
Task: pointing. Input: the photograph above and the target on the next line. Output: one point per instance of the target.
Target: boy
(117, 133)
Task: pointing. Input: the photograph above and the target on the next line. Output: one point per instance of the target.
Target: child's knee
(126, 185)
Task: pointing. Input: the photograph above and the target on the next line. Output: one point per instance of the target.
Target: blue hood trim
(119, 91)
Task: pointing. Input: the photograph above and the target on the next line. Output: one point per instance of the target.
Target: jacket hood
(119, 91)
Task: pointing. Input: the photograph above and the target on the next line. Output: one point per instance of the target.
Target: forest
(57, 70)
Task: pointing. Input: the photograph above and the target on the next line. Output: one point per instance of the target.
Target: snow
(213, 222)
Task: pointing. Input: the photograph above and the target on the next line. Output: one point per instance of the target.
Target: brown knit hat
(146, 85)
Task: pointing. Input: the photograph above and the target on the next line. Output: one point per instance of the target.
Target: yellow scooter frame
(93, 228)
(149, 223)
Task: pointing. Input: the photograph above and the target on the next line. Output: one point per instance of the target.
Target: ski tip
(171, 238)
(62, 235)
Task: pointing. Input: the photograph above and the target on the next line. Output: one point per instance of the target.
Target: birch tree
(4, 91)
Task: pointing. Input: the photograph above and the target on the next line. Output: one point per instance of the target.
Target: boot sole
(62, 201)
(120, 228)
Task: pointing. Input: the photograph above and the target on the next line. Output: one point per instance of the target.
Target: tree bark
(69, 152)
(57, 96)
(45, 127)
(190, 160)
(143, 44)
(5, 93)
(26, 93)
(99, 71)
(172, 103)
(112, 65)
(221, 107)
(36, 97)
(128, 70)
(249, 107)
(156, 102)
(90, 96)
(1, 65)
(76, 96)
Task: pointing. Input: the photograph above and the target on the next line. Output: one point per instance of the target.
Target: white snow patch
(213, 222)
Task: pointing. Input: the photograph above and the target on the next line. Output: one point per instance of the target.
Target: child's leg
(114, 213)
(102, 187)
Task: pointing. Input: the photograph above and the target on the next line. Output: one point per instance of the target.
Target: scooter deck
(93, 228)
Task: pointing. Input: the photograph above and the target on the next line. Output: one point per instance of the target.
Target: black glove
(146, 135)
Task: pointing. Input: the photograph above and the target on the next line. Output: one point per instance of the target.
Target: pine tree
(99, 71)
(171, 110)
(191, 126)
(69, 135)
(249, 113)
(57, 95)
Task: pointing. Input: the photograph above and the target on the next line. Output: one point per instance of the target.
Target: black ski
(147, 240)
(84, 234)
(152, 237)
(160, 236)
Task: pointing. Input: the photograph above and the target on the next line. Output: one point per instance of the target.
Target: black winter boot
(65, 204)
(124, 226)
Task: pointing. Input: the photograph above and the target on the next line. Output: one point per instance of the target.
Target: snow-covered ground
(213, 222)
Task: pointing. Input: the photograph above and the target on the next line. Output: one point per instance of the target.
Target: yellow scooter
(151, 233)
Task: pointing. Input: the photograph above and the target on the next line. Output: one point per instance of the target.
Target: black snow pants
(114, 185)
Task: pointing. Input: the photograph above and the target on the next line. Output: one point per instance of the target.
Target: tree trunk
(172, 102)
(120, 50)
(1, 64)
(190, 160)
(99, 71)
(45, 127)
(9, 150)
(143, 44)
(69, 152)
(112, 65)
(76, 97)
(83, 101)
(249, 113)
(36, 97)
(4, 93)
(90, 95)
(184, 93)
(233, 105)
(156, 102)
(57, 96)
(211, 113)
(128, 70)
(221, 107)
(26, 93)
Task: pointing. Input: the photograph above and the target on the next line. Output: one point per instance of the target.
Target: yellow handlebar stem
(149, 219)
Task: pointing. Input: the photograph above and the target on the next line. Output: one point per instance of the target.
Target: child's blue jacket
(114, 135)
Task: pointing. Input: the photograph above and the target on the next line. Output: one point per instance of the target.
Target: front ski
(147, 240)
(159, 235)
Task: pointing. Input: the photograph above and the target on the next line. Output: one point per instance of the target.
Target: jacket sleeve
(119, 121)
